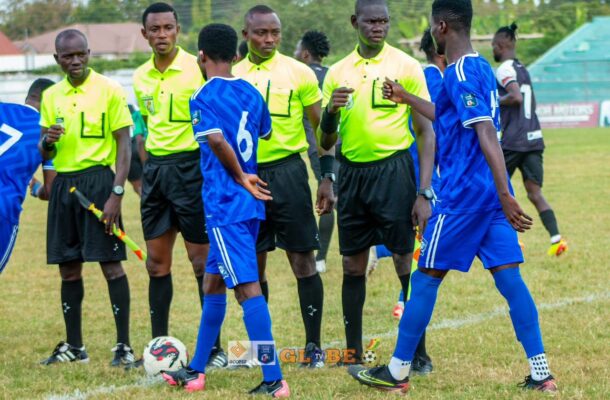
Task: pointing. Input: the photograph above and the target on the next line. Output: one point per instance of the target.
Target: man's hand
(515, 215)
(54, 134)
(256, 186)
(421, 213)
(339, 99)
(394, 91)
(325, 201)
(112, 211)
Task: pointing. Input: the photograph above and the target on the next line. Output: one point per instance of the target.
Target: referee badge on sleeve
(196, 117)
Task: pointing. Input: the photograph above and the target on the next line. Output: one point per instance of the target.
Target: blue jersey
(19, 156)
(434, 82)
(468, 95)
(236, 109)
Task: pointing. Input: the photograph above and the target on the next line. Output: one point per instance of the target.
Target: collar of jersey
(475, 54)
(268, 64)
(82, 87)
(378, 58)
(175, 65)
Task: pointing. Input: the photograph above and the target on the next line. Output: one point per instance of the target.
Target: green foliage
(101, 65)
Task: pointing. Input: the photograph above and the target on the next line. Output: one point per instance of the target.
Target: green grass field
(471, 340)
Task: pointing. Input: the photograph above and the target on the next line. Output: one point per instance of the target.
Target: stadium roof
(8, 48)
(578, 68)
(119, 38)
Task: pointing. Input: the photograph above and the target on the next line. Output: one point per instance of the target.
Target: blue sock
(418, 312)
(382, 251)
(401, 296)
(214, 308)
(523, 311)
(258, 325)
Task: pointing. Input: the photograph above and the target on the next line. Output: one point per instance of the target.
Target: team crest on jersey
(469, 100)
(196, 117)
(149, 103)
(424, 245)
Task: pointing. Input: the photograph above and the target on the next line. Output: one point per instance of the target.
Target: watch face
(118, 190)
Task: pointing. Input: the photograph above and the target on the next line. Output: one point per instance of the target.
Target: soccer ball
(164, 353)
(369, 356)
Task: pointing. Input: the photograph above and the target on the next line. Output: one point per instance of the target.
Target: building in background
(572, 80)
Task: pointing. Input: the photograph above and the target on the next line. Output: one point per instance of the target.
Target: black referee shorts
(171, 197)
(290, 221)
(74, 233)
(528, 162)
(375, 203)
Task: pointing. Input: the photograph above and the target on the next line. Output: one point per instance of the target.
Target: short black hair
(218, 41)
(39, 86)
(427, 45)
(243, 49)
(457, 13)
(69, 34)
(360, 4)
(259, 9)
(509, 31)
(316, 43)
(157, 8)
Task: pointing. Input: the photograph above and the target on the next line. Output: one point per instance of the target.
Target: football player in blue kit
(477, 215)
(19, 160)
(229, 116)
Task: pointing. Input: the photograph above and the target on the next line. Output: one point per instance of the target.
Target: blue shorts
(8, 236)
(451, 241)
(233, 252)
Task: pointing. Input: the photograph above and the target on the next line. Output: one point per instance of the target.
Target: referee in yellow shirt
(171, 183)
(85, 129)
(291, 90)
(378, 201)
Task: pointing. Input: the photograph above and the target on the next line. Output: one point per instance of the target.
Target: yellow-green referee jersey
(288, 86)
(163, 98)
(89, 113)
(372, 128)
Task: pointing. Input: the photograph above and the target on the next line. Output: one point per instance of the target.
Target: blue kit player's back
(19, 159)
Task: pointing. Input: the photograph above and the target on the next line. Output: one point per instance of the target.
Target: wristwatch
(118, 190)
(427, 193)
(330, 175)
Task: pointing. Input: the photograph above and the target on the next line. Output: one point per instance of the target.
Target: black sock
(311, 298)
(200, 291)
(160, 292)
(72, 294)
(404, 283)
(353, 295)
(326, 226)
(550, 222)
(119, 299)
(265, 290)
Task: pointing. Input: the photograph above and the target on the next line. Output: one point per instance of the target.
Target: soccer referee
(85, 129)
(290, 89)
(171, 187)
(378, 201)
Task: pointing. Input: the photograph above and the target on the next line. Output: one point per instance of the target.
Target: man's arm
(48, 138)
(112, 208)
(513, 98)
(394, 91)
(488, 140)
(425, 141)
(252, 183)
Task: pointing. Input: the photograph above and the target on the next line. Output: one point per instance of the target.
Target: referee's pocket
(278, 101)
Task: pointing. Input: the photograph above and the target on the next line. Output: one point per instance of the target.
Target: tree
(22, 18)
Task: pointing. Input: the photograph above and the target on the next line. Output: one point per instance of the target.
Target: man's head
(262, 31)
(160, 28)
(217, 44)
(35, 92)
(372, 21)
(72, 53)
(427, 46)
(504, 41)
(312, 47)
(449, 17)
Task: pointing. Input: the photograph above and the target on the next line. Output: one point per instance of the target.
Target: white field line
(455, 323)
